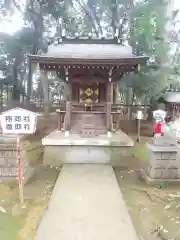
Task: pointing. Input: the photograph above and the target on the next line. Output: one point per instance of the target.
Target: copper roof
(84, 51)
(89, 51)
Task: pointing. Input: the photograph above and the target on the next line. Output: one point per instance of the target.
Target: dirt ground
(155, 211)
(21, 224)
(130, 127)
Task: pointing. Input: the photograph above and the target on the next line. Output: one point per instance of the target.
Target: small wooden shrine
(91, 69)
(172, 103)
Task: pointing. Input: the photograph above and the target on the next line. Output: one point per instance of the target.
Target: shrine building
(170, 102)
(88, 120)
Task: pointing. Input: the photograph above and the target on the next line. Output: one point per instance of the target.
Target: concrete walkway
(86, 204)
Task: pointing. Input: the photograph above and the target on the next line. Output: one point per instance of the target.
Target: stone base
(59, 149)
(153, 181)
(9, 160)
(26, 177)
(162, 165)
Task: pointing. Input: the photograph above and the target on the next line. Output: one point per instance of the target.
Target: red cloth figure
(158, 128)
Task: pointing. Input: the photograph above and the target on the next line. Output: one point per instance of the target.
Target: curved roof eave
(88, 53)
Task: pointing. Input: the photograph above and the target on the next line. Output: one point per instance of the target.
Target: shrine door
(89, 93)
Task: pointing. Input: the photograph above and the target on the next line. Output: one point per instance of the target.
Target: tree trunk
(130, 95)
(45, 86)
(153, 106)
(16, 90)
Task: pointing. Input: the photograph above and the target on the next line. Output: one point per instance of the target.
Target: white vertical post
(138, 130)
(139, 117)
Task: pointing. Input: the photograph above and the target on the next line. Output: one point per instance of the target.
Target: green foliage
(148, 37)
(145, 32)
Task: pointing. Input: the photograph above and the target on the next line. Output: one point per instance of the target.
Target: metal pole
(20, 180)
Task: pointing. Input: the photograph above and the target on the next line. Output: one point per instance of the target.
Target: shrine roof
(88, 50)
(172, 97)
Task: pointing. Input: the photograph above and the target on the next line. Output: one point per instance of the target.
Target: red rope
(19, 162)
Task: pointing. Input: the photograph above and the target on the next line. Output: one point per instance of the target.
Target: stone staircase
(88, 125)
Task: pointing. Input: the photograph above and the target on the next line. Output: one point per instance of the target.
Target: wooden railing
(112, 113)
(84, 107)
(64, 120)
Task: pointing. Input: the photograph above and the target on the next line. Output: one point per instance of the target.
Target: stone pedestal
(9, 160)
(163, 163)
(101, 149)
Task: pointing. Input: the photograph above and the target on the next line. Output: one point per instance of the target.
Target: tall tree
(141, 23)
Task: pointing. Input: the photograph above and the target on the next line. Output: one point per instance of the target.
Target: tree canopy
(142, 24)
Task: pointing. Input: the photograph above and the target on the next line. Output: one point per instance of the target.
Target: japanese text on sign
(18, 121)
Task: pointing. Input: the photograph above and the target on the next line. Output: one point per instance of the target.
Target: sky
(15, 21)
(12, 26)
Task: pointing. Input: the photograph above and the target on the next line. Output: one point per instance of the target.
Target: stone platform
(86, 204)
(59, 149)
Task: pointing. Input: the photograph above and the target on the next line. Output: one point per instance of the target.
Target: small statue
(158, 129)
(162, 132)
(166, 137)
(159, 117)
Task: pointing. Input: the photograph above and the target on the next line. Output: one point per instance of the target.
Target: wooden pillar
(60, 119)
(1, 98)
(68, 116)
(109, 100)
(45, 88)
(111, 93)
(114, 93)
(68, 106)
(68, 93)
(29, 81)
(116, 117)
(108, 106)
(59, 122)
